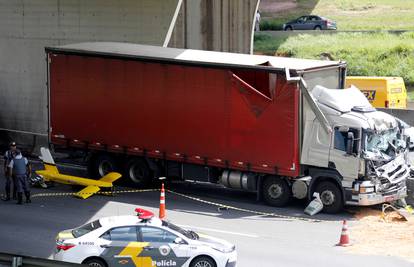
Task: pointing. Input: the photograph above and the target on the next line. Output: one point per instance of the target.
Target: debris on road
(389, 234)
(315, 206)
(398, 214)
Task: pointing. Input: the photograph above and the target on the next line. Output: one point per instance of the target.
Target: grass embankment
(375, 54)
(349, 14)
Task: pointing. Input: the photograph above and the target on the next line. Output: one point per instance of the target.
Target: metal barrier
(406, 115)
(26, 261)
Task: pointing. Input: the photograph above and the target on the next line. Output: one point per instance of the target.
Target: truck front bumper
(381, 197)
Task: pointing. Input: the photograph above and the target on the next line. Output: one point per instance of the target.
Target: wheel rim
(203, 264)
(95, 264)
(105, 167)
(327, 197)
(275, 191)
(136, 173)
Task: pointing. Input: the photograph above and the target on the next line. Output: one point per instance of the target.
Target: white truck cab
(359, 158)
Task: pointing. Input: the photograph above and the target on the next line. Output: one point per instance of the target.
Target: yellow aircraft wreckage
(51, 174)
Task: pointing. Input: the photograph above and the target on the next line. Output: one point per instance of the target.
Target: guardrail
(286, 34)
(26, 261)
(407, 115)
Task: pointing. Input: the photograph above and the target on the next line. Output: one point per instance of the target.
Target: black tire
(103, 164)
(95, 262)
(203, 261)
(331, 197)
(317, 28)
(288, 28)
(138, 172)
(276, 191)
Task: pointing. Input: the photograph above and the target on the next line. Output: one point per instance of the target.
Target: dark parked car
(310, 22)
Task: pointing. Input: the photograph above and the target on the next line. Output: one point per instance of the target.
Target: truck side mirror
(408, 144)
(350, 143)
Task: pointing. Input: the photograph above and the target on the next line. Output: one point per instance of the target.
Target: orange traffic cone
(344, 240)
(162, 202)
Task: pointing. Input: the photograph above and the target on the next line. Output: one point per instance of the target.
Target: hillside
(349, 14)
(376, 53)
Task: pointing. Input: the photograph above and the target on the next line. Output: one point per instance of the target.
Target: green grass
(376, 54)
(349, 14)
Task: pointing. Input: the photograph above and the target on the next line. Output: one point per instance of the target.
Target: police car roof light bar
(144, 214)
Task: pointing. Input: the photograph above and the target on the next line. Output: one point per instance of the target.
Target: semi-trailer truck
(264, 124)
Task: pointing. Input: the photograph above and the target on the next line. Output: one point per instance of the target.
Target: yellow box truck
(382, 92)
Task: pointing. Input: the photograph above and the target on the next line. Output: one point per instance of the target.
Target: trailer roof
(190, 56)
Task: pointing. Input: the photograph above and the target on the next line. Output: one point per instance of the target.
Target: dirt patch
(272, 6)
(390, 237)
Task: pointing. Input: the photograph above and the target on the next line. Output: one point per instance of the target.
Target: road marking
(217, 231)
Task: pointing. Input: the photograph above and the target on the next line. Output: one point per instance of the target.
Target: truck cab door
(316, 145)
(346, 164)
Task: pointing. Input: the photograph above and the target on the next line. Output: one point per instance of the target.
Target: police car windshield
(84, 229)
(188, 234)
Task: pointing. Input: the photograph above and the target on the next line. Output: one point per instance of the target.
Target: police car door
(162, 248)
(121, 247)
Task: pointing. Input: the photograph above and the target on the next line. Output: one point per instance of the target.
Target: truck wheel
(104, 164)
(331, 197)
(276, 191)
(138, 172)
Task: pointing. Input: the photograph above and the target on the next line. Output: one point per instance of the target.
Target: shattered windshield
(385, 142)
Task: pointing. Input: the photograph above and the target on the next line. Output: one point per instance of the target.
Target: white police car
(141, 240)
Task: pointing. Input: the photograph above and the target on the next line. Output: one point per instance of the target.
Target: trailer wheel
(331, 197)
(276, 191)
(104, 164)
(138, 172)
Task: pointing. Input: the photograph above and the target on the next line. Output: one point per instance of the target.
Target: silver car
(311, 22)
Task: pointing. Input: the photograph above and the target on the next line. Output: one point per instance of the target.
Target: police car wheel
(95, 263)
(203, 262)
(276, 192)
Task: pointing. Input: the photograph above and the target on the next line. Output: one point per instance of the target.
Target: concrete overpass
(27, 26)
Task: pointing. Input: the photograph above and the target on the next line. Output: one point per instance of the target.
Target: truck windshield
(385, 142)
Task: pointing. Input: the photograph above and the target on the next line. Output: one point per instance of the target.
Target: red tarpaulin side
(202, 113)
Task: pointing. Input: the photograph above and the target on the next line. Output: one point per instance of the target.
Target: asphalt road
(30, 229)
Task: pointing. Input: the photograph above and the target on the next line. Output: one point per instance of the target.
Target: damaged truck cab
(360, 150)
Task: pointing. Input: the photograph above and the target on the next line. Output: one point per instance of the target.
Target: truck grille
(391, 173)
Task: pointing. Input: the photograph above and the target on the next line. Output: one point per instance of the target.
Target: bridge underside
(26, 27)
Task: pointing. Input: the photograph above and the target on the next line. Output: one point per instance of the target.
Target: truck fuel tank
(239, 180)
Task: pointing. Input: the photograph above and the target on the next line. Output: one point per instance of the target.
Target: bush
(271, 25)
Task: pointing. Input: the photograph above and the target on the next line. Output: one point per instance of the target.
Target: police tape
(261, 213)
(107, 193)
(219, 205)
